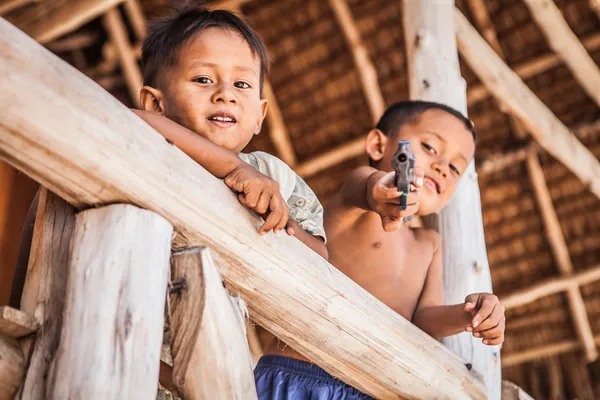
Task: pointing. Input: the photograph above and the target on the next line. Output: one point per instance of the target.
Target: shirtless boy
(399, 265)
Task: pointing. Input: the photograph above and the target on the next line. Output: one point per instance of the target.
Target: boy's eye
(456, 171)
(429, 148)
(241, 85)
(203, 79)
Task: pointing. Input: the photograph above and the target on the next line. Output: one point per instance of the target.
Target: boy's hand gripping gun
(404, 165)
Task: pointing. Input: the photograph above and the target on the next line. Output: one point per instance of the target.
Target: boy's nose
(224, 95)
(441, 168)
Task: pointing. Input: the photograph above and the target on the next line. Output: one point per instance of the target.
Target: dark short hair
(406, 112)
(166, 37)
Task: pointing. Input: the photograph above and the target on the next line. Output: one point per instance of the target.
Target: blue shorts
(283, 378)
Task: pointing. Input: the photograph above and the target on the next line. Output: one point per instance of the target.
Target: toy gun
(404, 165)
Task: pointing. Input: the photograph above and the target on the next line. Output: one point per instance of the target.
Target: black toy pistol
(404, 165)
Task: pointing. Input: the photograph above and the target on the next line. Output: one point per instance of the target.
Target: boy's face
(214, 89)
(443, 147)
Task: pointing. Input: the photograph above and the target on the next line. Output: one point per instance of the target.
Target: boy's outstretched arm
(482, 314)
(255, 190)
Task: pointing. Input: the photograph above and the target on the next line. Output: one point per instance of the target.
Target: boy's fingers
(284, 215)
(494, 341)
(473, 299)
(252, 197)
(494, 332)
(273, 217)
(493, 319)
(485, 309)
(263, 203)
(388, 193)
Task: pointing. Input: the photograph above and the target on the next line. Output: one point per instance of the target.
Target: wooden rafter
(551, 286)
(364, 66)
(136, 17)
(61, 20)
(7, 6)
(554, 233)
(566, 45)
(333, 157)
(277, 130)
(521, 102)
(531, 68)
(115, 26)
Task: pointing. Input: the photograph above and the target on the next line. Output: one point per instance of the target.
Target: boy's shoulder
(427, 236)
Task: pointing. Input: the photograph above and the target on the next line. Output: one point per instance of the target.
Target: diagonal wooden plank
(510, 90)
(566, 45)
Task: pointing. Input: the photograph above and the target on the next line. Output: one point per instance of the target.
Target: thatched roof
(318, 89)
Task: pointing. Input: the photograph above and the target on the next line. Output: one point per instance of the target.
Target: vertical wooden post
(11, 367)
(434, 75)
(113, 319)
(208, 338)
(555, 379)
(45, 287)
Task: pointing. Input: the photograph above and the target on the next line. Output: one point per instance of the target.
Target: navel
(377, 244)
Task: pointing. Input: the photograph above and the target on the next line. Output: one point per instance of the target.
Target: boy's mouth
(222, 119)
(431, 184)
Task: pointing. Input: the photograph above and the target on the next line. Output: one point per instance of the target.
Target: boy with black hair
(399, 265)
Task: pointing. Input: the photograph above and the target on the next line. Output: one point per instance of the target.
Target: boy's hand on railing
(383, 197)
(488, 320)
(261, 194)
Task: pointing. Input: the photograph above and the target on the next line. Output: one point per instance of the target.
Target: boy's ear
(151, 99)
(376, 144)
(264, 104)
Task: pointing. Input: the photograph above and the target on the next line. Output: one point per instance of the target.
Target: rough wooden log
(434, 74)
(45, 287)
(64, 18)
(15, 323)
(551, 286)
(541, 123)
(89, 148)
(510, 391)
(277, 130)
(330, 158)
(208, 338)
(566, 45)
(114, 25)
(560, 252)
(12, 365)
(364, 66)
(120, 255)
(531, 68)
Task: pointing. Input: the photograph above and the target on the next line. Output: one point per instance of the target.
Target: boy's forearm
(214, 158)
(317, 245)
(355, 189)
(442, 321)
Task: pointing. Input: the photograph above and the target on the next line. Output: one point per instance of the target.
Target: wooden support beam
(434, 75)
(92, 150)
(551, 286)
(550, 350)
(73, 42)
(12, 365)
(15, 323)
(45, 288)
(333, 157)
(208, 337)
(136, 17)
(484, 23)
(560, 252)
(531, 68)
(119, 254)
(7, 6)
(566, 45)
(364, 66)
(555, 379)
(520, 101)
(62, 19)
(115, 27)
(277, 130)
